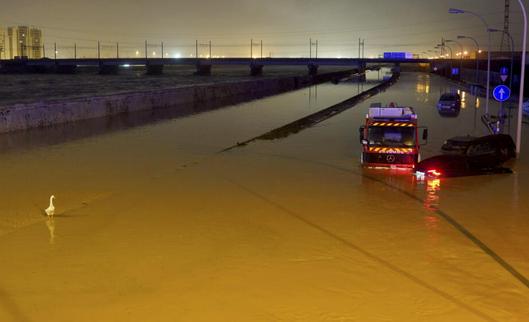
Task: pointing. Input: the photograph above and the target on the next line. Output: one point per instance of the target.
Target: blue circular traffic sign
(501, 93)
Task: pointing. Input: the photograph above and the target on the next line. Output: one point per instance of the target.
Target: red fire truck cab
(390, 137)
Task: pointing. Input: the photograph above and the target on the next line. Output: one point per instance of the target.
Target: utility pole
(363, 48)
(361, 44)
(522, 81)
(310, 48)
(505, 23)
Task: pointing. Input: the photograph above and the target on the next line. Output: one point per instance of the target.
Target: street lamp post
(434, 52)
(477, 53)
(522, 81)
(460, 57)
(451, 55)
(457, 11)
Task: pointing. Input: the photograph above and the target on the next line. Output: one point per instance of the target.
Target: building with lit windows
(3, 49)
(24, 41)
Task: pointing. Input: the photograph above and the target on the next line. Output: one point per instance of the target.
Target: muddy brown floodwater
(154, 224)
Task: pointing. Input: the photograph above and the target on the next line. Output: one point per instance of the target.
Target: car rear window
(482, 148)
(448, 97)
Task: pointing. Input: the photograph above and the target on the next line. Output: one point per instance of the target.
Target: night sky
(284, 25)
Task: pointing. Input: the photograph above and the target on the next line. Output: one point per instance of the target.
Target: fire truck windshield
(391, 136)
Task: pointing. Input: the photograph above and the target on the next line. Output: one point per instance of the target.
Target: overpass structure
(203, 65)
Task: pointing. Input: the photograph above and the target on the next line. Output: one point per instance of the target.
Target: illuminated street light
(478, 51)
(458, 54)
(459, 11)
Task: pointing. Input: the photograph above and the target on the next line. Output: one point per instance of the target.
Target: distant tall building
(24, 41)
(3, 49)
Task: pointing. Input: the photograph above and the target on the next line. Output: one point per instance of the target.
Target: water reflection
(431, 201)
(61, 133)
(313, 95)
(422, 88)
(50, 223)
(463, 96)
(431, 204)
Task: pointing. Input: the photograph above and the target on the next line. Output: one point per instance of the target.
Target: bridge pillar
(203, 69)
(396, 68)
(256, 70)
(15, 66)
(108, 69)
(39, 69)
(313, 69)
(154, 69)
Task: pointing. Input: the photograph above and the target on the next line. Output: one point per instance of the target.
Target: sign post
(501, 93)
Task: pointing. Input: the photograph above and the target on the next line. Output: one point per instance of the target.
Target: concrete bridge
(203, 65)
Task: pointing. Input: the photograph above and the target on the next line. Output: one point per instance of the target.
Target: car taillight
(434, 172)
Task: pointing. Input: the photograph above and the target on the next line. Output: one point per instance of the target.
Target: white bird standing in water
(50, 211)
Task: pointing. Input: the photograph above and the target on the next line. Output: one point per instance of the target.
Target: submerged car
(457, 144)
(449, 104)
(484, 155)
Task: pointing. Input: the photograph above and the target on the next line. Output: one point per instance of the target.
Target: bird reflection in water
(50, 223)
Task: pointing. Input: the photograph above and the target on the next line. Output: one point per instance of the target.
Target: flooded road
(153, 224)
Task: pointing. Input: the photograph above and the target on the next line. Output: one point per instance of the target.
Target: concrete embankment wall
(46, 113)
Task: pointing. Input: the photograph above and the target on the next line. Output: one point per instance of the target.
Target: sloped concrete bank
(46, 113)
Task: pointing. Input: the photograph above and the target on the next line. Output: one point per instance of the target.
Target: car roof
(449, 95)
(495, 138)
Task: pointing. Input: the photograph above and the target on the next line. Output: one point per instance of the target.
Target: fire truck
(390, 137)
